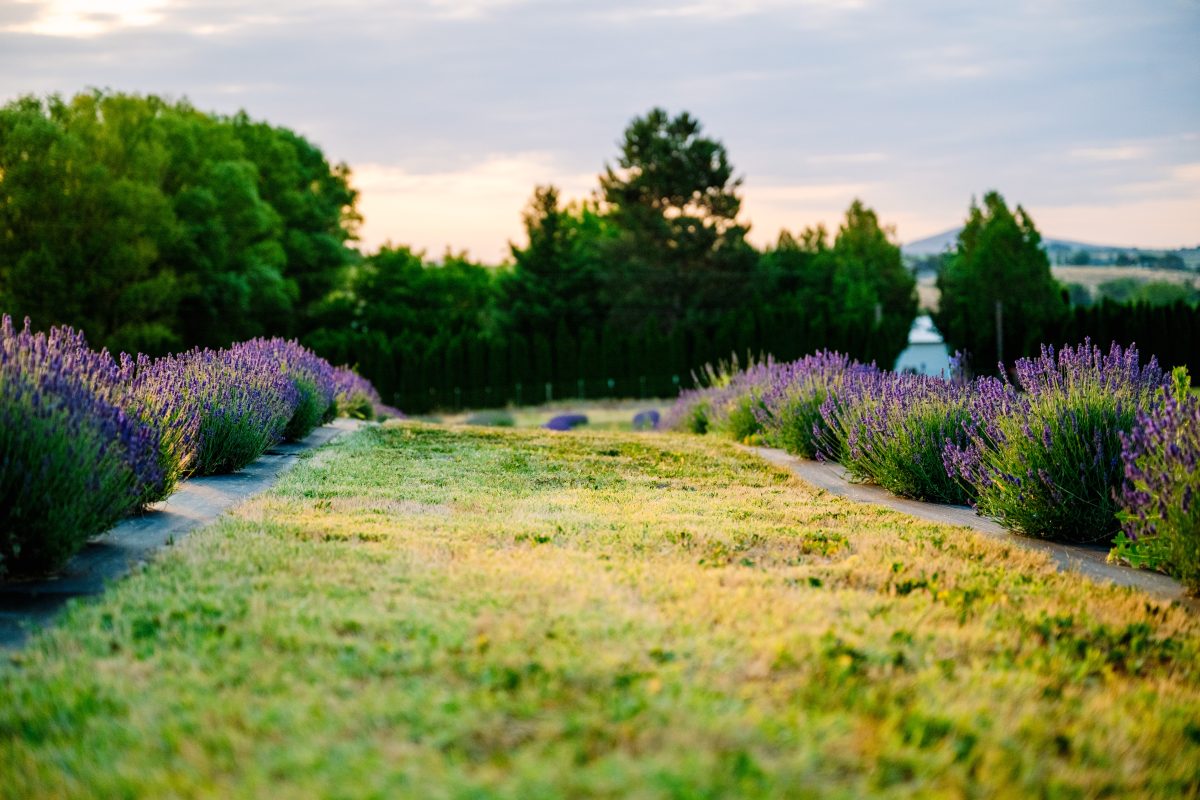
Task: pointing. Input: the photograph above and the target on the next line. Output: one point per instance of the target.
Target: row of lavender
(87, 438)
(1080, 446)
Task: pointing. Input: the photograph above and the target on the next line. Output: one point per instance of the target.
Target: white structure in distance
(926, 353)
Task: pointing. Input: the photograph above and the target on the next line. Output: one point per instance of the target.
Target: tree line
(154, 227)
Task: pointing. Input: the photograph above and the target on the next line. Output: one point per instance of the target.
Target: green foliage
(1148, 552)
(154, 226)
(1152, 293)
(681, 255)
(855, 296)
(999, 260)
(876, 294)
(557, 275)
(311, 410)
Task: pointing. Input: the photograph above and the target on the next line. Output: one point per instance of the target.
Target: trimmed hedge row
(1080, 445)
(86, 438)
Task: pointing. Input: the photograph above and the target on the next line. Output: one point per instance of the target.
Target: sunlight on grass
(419, 611)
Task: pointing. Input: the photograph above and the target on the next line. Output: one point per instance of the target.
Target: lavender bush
(690, 412)
(724, 399)
(646, 420)
(85, 439)
(243, 401)
(72, 461)
(891, 429)
(159, 394)
(1047, 461)
(1160, 512)
(314, 379)
(790, 410)
(734, 408)
(354, 395)
(566, 422)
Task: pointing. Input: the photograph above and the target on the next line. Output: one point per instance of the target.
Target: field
(1090, 277)
(429, 611)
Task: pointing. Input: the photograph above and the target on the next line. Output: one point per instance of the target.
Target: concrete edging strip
(1089, 561)
(25, 605)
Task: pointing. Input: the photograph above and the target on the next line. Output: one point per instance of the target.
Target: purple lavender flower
(72, 460)
(1161, 457)
(791, 402)
(357, 398)
(242, 399)
(314, 379)
(892, 429)
(1045, 460)
(566, 422)
(646, 420)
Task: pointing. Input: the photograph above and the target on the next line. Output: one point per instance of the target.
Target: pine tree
(998, 298)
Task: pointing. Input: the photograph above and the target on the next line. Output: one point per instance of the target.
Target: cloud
(83, 18)
(833, 159)
(915, 106)
(1121, 152)
(812, 11)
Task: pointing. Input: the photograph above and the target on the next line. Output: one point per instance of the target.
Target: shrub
(790, 412)
(734, 408)
(1047, 461)
(725, 400)
(565, 422)
(354, 395)
(646, 420)
(72, 461)
(383, 412)
(157, 393)
(243, 401)
(314, 380)
(1160, 514)
(690, 413)
(891, 429)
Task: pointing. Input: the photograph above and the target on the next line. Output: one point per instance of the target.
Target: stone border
(26, 605)
(1087, 560)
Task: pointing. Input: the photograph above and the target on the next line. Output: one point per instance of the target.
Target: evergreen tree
(999, 263)
(876, 293)
(681, 255)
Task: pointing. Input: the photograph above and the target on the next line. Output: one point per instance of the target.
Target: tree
(998, 282)
(878, 296)
(556, 276)
(83, 219)
(153, 226)
(681, 255)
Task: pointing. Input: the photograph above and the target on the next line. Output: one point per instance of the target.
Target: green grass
(435, 612)
(603, 415)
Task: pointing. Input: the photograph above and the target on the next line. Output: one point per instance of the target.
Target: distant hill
(946, 240)
(1058, 250)
(932, 245)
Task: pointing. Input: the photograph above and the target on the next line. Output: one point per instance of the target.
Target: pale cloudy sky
(449, 111)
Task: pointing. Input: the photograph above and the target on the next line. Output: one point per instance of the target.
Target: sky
(449, 112)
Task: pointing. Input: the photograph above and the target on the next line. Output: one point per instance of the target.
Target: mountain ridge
(947, 239)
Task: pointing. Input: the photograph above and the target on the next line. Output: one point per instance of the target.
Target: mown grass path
(425, 612)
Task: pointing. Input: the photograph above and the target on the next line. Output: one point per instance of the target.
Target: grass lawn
(430, 612)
